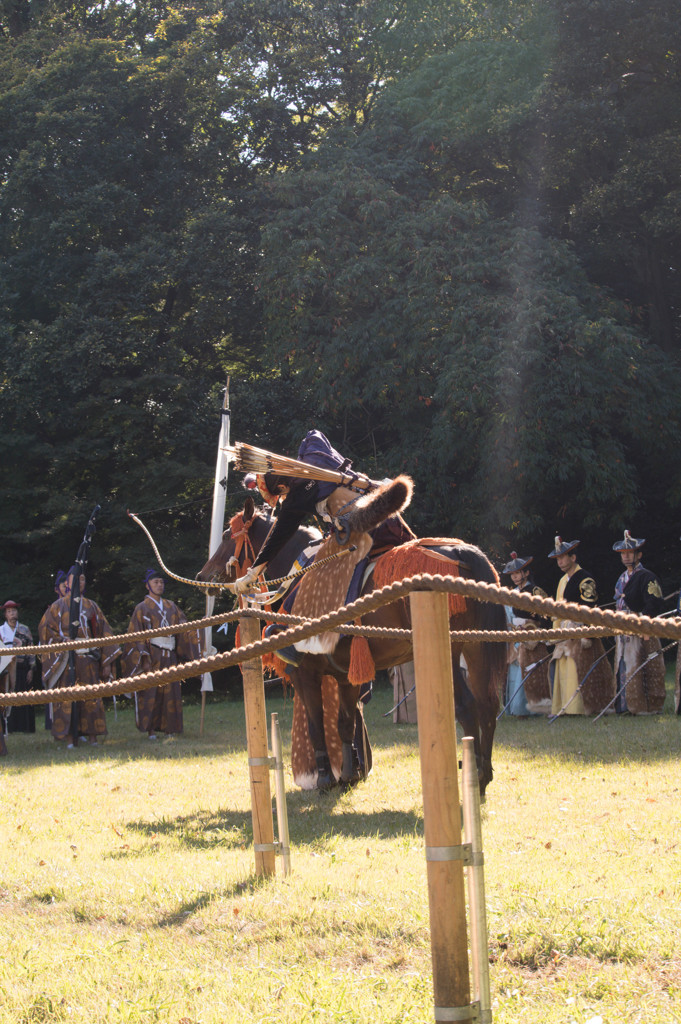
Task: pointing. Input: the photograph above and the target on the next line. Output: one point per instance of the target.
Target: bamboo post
(280, 794)
(258, 753)
(476, 881)
(441, 809)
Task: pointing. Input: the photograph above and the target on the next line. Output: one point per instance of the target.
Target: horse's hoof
(325, 777)
(346, 784)
(326, 781)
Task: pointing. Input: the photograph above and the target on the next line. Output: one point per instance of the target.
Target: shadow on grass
(312, 824)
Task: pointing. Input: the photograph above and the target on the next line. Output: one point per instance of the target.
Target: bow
(74, 603)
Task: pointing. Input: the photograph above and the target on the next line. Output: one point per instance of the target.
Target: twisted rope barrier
(606, 622)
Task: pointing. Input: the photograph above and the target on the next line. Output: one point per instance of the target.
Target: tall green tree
(138, 143)
(612, 129)
(471, 347)
(125, 262)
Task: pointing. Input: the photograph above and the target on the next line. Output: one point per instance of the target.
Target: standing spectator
(73, 719)
(640, 682)
(61, 589)
(534, 696)
(19, 674)
(580, 685)
(5, 663)
(158, 709)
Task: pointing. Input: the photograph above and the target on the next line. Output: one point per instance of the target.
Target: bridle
(244, 553)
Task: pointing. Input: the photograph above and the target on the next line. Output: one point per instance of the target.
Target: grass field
(127, 891)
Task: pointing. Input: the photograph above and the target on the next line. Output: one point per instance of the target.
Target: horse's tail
(486, 617)
(493, 617)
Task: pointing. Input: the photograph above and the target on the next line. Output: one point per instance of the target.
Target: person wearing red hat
(640, 675)
(19, 673)
(72, 720)
(580, 686)
(158, 709)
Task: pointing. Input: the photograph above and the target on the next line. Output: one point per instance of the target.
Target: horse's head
(240, 544)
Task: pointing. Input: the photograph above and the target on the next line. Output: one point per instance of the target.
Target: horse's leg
(487, 705)
(307, 682)
(348, 697)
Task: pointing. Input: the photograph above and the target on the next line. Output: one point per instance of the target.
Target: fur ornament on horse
(397, 564)
(363, 514)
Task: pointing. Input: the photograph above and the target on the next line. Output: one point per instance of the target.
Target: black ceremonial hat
(516, 563)
(562, 547)
(628, 544)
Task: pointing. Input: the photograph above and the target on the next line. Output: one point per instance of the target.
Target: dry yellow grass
(127, 893)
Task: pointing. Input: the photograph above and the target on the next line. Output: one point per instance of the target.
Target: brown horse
(476, 694)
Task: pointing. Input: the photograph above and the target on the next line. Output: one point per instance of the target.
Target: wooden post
(476, 881)
(441, 809)
(258, 753)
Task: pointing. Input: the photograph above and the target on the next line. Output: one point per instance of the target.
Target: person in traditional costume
(18, 675)
(640, 674)
(61, 589)
(73, 720)
(158, 709)
(345, 507)
(582, 679)
(527, 660)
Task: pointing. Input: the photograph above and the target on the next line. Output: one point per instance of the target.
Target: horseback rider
(343, 506)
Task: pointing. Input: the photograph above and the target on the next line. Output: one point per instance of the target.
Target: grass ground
(127, 891)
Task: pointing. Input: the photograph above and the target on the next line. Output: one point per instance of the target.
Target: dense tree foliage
(447, 233)
(473, 352)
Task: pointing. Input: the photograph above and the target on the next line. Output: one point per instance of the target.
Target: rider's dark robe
(300, 502)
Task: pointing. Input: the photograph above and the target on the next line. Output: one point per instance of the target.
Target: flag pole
(217, 525)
